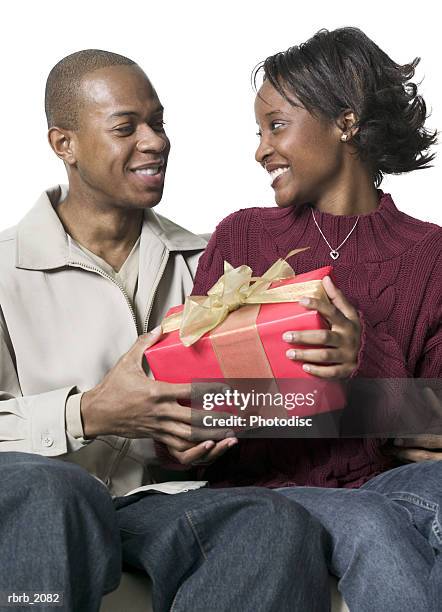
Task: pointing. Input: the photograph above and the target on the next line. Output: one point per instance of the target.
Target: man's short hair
(62, 99)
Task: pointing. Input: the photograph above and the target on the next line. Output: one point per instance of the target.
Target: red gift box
(249, 344)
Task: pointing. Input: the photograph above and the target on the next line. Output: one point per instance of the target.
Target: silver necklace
(334, 253)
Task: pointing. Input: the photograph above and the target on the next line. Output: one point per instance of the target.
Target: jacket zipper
(125, 446)
(78, 264)
(164, 260)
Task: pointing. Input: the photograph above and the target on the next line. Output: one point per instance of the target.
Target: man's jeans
(386, 538)
(207, 550)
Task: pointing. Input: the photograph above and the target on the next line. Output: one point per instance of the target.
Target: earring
(344, 137)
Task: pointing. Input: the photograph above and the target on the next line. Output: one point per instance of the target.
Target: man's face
(121, 148)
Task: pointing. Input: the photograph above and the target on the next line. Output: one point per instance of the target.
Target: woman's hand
(425, 447)
(338, 358)
(420, 448)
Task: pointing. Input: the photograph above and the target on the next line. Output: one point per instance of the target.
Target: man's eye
(259, 133)
(124, 129)
(276, 125)
(158, 126)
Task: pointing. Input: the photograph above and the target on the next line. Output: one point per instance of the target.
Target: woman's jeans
(385, 538)
(235, 550)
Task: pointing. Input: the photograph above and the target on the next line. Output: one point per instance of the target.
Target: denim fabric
(236, 550)
(58, 532)
(229, 550)
(386, 538)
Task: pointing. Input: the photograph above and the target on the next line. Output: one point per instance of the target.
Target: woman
(334, 115)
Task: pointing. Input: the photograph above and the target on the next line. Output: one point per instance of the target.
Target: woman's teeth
(277, 172)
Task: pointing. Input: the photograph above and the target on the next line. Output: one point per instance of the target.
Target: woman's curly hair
(344, 69)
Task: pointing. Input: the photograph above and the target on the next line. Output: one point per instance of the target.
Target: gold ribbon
(235, 288)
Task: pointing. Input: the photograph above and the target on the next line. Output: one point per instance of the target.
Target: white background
(199, 56)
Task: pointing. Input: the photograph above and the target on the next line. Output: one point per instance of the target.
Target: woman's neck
(351, 194)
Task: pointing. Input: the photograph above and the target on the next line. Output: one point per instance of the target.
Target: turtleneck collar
(380, 235)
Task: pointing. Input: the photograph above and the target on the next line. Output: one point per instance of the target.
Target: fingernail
(291, 353)
(304, 301)
(229, 434)
(289, 336)
(306, 367)
(209, 445)
(232, 443)
(155, 330)
(398, 442)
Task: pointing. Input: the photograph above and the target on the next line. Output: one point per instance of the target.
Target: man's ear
(62, 142)
(347, 123)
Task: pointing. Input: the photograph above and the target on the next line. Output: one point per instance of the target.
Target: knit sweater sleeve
(210, 267)
(380, 355)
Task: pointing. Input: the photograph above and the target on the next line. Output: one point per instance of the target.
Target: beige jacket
(64, 323)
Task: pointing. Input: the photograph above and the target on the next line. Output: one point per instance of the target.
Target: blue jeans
(232, 550)
(386, 538)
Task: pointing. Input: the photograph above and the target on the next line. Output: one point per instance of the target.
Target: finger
(328, 310)
(172, 441)
(189, 424)
(328, 372)
(145, 341)
(325, 337)
(339, 299)
(193, 454)
(427, 441)
(324, 355)
(212, 433)
(174, 391)
(416, 454)
(217, 451)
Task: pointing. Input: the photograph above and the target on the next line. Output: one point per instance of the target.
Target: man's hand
(129, 404)
(342, 341)
(204, 453)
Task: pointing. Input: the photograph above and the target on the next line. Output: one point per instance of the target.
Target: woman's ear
(62, 142)
(347, 123)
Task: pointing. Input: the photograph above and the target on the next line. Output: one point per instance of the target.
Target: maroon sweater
(390, 270)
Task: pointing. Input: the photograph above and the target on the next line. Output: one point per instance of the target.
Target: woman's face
(303, 154)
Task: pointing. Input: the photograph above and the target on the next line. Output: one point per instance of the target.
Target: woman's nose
(263, 151)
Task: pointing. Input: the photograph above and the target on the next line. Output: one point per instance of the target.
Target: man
(83, 277)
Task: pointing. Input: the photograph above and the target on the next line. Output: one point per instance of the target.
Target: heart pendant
(334, 254)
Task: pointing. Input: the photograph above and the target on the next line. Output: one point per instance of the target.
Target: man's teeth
(277, 172)
(148, 171)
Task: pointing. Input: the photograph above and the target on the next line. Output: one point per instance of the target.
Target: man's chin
(142, 201)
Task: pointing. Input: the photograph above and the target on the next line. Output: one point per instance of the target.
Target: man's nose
(150, 140)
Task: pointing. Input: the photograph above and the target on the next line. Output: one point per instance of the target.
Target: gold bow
(235, 288)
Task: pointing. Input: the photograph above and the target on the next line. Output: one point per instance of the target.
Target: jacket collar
(42, 243)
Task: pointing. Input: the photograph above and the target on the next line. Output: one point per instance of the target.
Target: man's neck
(110, 233)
